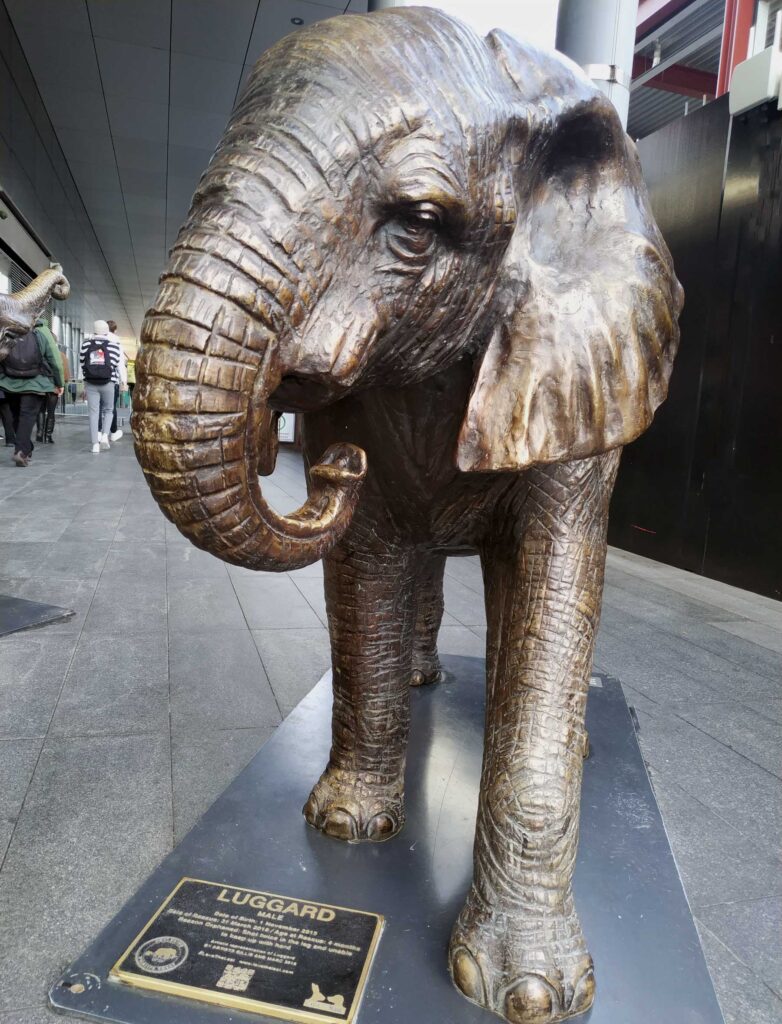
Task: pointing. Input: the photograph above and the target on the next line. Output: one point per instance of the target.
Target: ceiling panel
(138, 119)
(203, 83)
(274, 22)
(140, 154)
(145, 22)
(143, 181)
(137, 72)
(140, 107)
(203, 28)
(189, 127)
(58, 15)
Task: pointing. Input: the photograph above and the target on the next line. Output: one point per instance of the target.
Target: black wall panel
(703, 488)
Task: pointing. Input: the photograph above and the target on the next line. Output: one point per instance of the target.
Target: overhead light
(297, 21)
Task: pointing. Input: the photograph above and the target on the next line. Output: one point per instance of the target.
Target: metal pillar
(600, 36)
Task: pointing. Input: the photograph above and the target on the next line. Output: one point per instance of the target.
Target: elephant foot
(427, 669)
(355, 806)
(528, 968)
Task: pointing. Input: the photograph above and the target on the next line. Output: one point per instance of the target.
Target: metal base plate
(635, 915)
(16, 613)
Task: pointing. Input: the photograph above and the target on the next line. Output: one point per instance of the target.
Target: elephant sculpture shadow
(439, 249)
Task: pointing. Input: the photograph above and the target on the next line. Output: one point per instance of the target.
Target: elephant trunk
(207, 364)
(18, 312)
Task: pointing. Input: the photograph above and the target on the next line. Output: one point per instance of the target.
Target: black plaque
(255, 951)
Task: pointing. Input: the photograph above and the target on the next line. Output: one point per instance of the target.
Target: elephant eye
(413, 233)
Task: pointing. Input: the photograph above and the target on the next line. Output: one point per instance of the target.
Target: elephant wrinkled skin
(439, 249)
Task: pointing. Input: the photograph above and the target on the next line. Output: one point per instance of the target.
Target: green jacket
(42, 384)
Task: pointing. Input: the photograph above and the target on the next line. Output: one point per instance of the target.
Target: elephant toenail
(381, 827)
(467, 975)
(531, 1001)
(417, 678)
(311, 812)
(584, 993)
(341, 825)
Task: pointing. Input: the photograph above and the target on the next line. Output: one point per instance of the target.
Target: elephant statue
(439, 249)
(18, 312)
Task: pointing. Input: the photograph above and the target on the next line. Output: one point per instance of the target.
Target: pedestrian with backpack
(30, 371)
(99, 357)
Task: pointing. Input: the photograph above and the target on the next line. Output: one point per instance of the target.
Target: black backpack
(24, 360)
(96, 362)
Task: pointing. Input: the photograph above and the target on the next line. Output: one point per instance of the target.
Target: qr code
(236, 979)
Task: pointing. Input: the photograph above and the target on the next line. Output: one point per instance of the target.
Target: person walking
(46, 414)
(99, 356)
(31, 370)
(121, 381)
(131, 377)
(7, 419)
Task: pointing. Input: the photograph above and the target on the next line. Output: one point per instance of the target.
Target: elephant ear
(586, 332)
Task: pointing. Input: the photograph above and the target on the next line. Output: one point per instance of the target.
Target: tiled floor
(120, 726)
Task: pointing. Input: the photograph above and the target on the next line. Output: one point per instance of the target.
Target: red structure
(739, 16)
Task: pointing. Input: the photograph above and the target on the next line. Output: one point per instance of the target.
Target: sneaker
(116, 435)
(104, 442)
(21, 460)
(96, 449)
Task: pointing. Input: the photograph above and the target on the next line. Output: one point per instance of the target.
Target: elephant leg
(517, 947)
(429, 615)
(371, 610)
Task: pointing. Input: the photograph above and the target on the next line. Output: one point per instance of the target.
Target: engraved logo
(236, 979)
(159, 956)
(331, 1004)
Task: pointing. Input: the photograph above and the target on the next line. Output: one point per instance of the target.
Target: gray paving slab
(84, 842)
(198, 606)
(272, 601)
(315, 596)
(652, 602)
(21, 558)
(30, 1015)
(741, 728)
(133, 604)
(218, 681)
(465, 604)
(736, 789)
(743, 996)
(149, 528)
(770, 708)
(672, 669)
(115, 688)
(83, 530)
(39, 529)
(744, 654)
(758, 632)
(74, 560)
(137, 558)
(460, 640)
(294, 660)
(466, 569)
(186, 562)
(17, 761)
(751, 931)
(204, 762)
(314, 571)
(32, 671)
(717, 863)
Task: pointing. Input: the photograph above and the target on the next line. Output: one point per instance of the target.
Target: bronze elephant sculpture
(439, 249)
(18, 312)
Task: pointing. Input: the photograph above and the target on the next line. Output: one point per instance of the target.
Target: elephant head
(393, 193)
(19, 311)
